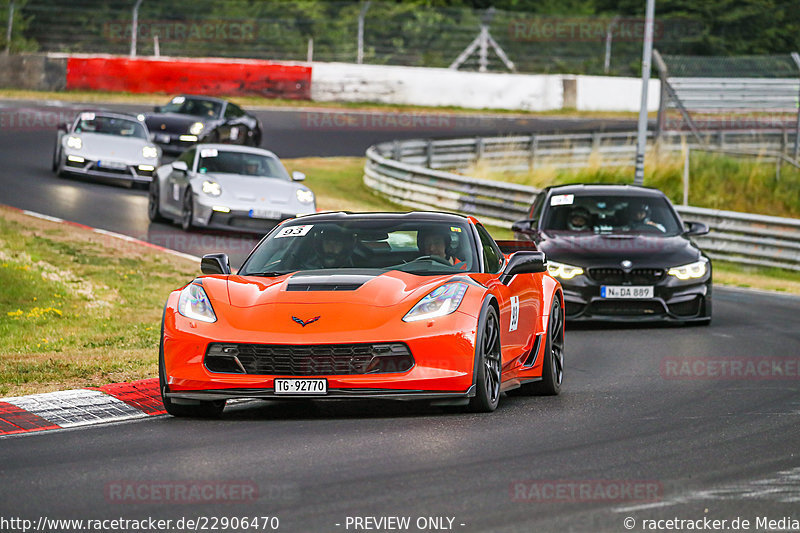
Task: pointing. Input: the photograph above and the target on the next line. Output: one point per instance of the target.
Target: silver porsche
(222, 186)
(106, 145)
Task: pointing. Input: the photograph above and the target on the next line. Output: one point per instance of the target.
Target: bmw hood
(608, 250)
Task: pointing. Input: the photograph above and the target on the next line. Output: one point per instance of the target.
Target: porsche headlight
(212, 188)
(149, 152)
(193, 303)
(439, 302)
(196, 128)
(562, 270)
(305, 196)
(694, 270)
(74, 142)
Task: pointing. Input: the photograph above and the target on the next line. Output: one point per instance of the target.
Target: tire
(488, 363)
(553, 366)
(153, 199)
(187, 211)
(56, 157)
(198, 409)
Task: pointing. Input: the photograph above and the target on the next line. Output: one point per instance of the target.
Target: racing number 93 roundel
(402, 306)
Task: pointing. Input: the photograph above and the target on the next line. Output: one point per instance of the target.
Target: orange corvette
(404, 306)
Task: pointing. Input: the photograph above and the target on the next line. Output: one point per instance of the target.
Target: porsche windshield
(194, 107)
(241, 163)
(419, 247)
(605, 214)
(122, 127)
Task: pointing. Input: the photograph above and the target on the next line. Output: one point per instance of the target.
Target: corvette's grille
(308, 360)
(617, 276)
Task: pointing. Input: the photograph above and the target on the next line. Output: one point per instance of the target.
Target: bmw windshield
(417, 247)
(606, 214)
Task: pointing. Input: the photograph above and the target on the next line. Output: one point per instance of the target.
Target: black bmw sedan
(621, 252)
(187, 120)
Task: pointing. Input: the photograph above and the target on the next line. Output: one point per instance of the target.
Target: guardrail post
(721, 135)
(429, 154)
(478, 149)
(532, 152)
(397, 150)
(686, 177)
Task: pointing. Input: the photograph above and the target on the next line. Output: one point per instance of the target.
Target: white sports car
(106, 145)
(222, 186)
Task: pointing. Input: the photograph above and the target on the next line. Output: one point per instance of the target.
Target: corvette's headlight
(193, 303)
(304, 196)
(439, 302)
(562, 270)
(74, 142)
(212, 188)
(149, 152)
(694, 270)
(196, 128)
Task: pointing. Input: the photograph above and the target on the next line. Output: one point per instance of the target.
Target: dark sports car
(187, 120)
(402, 306)
(621, 252)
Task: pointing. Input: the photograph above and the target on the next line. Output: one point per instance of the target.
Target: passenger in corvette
(435, 242)
(333, 248)
(578, 219)
(640, 218)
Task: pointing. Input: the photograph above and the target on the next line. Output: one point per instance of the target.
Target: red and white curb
(82, 407)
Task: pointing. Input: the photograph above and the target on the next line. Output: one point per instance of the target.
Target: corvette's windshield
(241, 163)
(607, 214)
(418, 247)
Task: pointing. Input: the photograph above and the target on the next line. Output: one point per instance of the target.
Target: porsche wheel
(553, 367)
(153, 200)
(488, 362)
(196, 409)
(187, 212)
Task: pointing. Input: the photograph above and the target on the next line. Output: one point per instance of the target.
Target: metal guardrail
(399, 171)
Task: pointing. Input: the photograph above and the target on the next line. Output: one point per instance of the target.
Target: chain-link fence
(393, 33)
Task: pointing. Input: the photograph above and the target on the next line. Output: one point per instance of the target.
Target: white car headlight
(212, 188)
(74, 142)
(193, 303)
(439, 302)
(149, 152)
(694, 270)
(305, 196)
(563, 270)
(196, 128)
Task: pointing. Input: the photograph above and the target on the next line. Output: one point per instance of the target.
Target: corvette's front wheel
(488, 362)
(197, 409)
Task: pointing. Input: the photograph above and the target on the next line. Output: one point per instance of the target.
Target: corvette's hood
(172, 122)
(253, 190)
(113, 147)
(608, 250)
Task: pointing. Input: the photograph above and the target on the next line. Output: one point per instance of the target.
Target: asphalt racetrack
(657, 428)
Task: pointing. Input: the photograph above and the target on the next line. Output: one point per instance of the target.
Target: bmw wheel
(488, 359)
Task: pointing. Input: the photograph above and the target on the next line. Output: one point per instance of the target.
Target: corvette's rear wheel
(487, 378)
(553, 367)
(196, 409)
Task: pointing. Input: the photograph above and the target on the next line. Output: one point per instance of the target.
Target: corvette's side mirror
(215, 264)
(523, 263)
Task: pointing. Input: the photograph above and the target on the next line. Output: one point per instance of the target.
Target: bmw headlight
(439, 302)
(149, 152)
(196, 128)
(212, 188)
(563, 270)
(694, 270)
(193, 303)
(74, 142)
(305, 196)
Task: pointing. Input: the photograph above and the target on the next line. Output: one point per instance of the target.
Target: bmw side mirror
(180, 166)
(523, 263)
(523, 226)
(215, 264)
(298, 176)
(695, 228)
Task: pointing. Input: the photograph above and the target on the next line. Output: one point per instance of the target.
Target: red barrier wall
(194, 76)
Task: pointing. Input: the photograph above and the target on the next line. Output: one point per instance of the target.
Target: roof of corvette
(427, 216)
